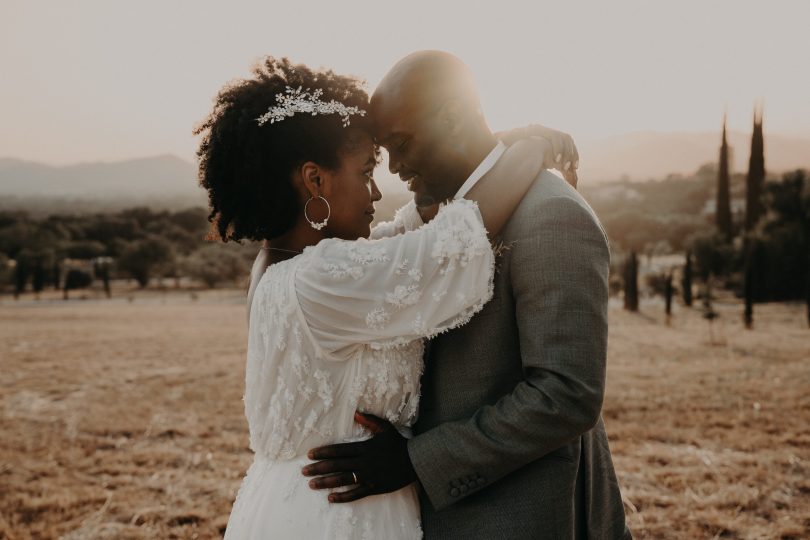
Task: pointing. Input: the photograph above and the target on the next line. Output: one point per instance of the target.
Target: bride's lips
(370, 215)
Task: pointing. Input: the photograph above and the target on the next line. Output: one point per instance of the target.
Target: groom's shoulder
(552, 198)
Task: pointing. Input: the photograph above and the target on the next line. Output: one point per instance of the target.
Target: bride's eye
(369, 175)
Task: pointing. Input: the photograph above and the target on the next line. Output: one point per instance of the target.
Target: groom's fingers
(372, 423)
(329, 466)
(351, 495)
(332, 481)
(336, 451)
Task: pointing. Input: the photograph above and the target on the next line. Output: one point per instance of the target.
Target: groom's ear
(451, 117)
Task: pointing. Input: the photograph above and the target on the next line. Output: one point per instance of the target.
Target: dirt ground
(123, 418)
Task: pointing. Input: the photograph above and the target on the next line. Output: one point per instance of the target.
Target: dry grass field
(123, 419)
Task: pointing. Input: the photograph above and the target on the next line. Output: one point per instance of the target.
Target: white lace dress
(339, 328)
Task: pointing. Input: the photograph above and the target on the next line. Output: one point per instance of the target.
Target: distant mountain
(646, 155)
(137, 180)
(170, 182)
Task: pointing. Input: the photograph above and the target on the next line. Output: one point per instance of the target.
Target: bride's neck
(300, 237)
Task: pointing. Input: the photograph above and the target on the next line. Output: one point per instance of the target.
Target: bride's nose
(376, 195)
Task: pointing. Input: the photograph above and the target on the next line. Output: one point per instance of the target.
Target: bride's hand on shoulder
(563, 155)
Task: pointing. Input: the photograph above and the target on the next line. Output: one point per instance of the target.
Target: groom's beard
(424, 200)
(428, 194)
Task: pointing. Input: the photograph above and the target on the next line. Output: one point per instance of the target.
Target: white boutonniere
(499, 248)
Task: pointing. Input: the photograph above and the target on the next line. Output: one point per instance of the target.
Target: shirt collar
(482, 169)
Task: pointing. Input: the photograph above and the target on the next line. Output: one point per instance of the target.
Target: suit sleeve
(558, 273)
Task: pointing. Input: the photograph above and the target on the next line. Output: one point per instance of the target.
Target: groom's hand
(379, 465)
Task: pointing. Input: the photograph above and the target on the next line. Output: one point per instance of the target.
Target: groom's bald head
(426, 80)
(427, 114)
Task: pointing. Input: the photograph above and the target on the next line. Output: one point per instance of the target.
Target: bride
(337, 311)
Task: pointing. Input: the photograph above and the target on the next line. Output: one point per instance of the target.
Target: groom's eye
(402, 145)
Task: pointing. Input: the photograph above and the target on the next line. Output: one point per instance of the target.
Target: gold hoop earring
(318, 225)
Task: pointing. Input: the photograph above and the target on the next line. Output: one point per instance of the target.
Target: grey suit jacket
(510, 441)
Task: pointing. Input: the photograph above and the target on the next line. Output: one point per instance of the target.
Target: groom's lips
(410, 180)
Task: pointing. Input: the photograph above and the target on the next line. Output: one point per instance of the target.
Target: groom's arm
(559, 272)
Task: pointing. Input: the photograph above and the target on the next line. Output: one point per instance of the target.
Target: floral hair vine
(297, 100)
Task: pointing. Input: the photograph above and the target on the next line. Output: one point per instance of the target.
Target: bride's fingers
(571, 177)
(568, 153)
(332, 481)
(351, 495)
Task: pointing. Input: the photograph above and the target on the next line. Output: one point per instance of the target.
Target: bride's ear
(314, 179)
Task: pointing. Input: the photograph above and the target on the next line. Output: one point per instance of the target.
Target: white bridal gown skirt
(275, 502)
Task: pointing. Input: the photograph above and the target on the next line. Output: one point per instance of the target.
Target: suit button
(481, 482)
(454, 492)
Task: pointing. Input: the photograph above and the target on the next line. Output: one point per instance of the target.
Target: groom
(510, 442)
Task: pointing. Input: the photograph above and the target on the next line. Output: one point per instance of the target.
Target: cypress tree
(631, 282)
(708, 309)
(38, 276)
(755, 180)
(748, 287)
(668, 291)
(21, 272)
(686, 280)
(56, 274)
(807, 298)
(723, 211)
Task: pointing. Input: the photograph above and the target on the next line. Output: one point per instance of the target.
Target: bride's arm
(500, 190)
(256, 272)
(554, 149)
(406, 219)
(565, 156)
(391, 291)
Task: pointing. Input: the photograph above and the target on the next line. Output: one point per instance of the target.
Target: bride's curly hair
(247, 168)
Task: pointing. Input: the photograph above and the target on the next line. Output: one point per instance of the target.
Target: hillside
(646, 155)
(170, 182)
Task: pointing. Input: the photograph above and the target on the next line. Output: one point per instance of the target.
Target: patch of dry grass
(712, 440)
(124, 420)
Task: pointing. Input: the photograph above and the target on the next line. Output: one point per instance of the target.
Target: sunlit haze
(101, 80)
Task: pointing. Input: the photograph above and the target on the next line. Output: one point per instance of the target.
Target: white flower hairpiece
(296, 100)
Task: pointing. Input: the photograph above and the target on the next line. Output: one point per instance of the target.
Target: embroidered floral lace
(337, 329)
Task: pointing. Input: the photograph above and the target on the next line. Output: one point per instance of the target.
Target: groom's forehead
(395, 115)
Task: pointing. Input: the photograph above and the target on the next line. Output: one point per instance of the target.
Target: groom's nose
(393, 164)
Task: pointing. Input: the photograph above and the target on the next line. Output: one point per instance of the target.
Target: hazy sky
(105, 80)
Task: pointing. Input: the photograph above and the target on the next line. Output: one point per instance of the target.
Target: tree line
(68, 252)
(759, 249)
